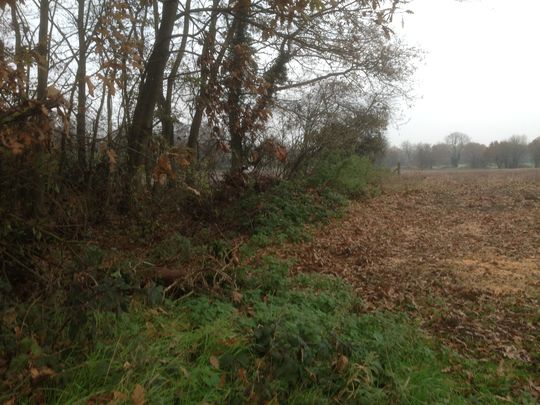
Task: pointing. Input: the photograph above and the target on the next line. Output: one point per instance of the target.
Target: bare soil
(458, 250)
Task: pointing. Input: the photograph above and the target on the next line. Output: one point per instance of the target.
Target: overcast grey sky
(480, 74)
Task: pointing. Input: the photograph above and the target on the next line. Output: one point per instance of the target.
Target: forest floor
(458, 250)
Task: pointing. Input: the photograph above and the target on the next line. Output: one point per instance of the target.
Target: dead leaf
(243, 377)
(183, 162)
(113, 159)
(184, 371)
(40, 374)
(117, 398)
(54, 94)
(90, 85)
(341, 363)
(137, 396)
(214, 361)
(237, 297)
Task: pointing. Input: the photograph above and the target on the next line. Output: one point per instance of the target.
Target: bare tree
(408, 150)
(534, 150)
(517, 150)
(424, 156)
(457, 141)
(474, 154)
(442, 154)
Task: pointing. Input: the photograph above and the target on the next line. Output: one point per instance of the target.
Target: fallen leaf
(341, 363)
(214, 361)
(39, 374)
(117, 398)
(242, 376)
(237, 297)
(137, 396)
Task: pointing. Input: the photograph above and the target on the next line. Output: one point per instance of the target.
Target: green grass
(280, 214)
(301, 340)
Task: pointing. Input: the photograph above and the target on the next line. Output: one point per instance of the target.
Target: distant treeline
(458, 150)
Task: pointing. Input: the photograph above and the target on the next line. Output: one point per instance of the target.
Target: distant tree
(510, 153)
(457, 141)
(517, 145)
(442, 154)
(534, 150)
(474, 154)
(424, 156)
(392, 156)
(497, 152)
(408, 151)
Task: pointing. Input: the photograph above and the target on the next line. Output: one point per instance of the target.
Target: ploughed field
(458, 250)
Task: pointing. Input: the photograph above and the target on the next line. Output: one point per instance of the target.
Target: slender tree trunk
(202, 97)
(141, 127)
(168, 121)
(109, 116)
(235, 83)
(18, 51)
(95, 130)
(43, 51)
(81, 93)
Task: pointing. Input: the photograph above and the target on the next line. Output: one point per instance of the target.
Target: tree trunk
(81, 93)
(202, 97)
(141, 125)
(43, 51)
(235, 83)
(109, 116)
(18, 51)
(167, 119)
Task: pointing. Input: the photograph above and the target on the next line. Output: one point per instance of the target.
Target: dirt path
(458, 250)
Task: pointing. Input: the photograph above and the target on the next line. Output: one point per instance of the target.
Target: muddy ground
(457, 250)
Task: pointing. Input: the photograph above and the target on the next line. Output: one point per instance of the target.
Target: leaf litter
(460, 251)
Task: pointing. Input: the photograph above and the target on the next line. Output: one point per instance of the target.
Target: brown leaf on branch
(113, 160)
(90, 85)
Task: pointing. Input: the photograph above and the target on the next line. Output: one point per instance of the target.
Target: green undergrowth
(263, 336)
(281, 213)
(288, 339)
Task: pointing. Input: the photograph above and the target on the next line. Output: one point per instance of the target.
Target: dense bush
(352, 176)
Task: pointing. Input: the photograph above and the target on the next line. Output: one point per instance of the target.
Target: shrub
(281, 213)
(352, 176)
(176, 248)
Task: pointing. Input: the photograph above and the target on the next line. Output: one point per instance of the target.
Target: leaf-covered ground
(458, 250)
